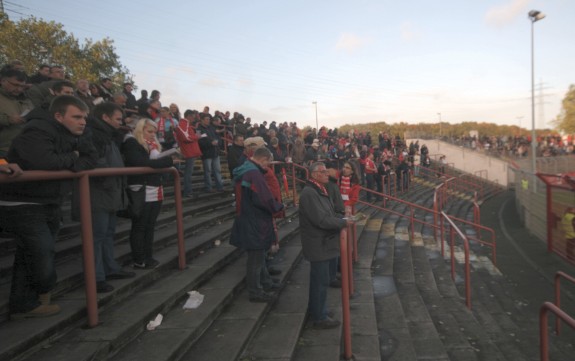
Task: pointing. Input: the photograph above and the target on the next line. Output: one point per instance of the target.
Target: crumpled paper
(151, 326)
(194, 300)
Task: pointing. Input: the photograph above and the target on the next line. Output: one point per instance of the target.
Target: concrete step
(166, 290)
(182, 329)
(70, 266)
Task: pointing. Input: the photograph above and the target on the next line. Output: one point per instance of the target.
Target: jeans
(104, 229)
(190, 162)
(318, 284)
(257, 274)
(36, 227)
(369, 178)
(142, 232)
(212, 166)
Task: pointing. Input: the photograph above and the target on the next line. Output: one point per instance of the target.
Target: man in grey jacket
(107, 193)
(320, 227)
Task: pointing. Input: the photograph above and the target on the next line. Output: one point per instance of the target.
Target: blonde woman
(142, 149)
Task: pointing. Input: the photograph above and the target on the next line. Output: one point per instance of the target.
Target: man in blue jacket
(253, 228)
(31, 210)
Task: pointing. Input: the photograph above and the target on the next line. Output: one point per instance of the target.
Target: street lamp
(534, 15)
(316, 124)
(439, 125)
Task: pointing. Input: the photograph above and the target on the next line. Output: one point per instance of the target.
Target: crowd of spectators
(516, 146)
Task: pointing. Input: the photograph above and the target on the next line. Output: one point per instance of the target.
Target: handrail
(345, 292)
(558, 277)
(86, 218)
(543, 332)
(454, 228)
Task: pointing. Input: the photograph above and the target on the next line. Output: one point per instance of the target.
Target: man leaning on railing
(31, 210)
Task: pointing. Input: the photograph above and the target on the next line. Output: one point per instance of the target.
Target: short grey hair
(314, 166)
(263, 153)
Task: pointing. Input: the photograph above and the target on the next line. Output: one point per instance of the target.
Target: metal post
(88, 251)
(316, 123)
(347, 354)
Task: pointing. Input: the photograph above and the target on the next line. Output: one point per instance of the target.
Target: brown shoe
(45, 298)
(40, 311)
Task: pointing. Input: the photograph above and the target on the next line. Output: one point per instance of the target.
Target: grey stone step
(327, 344)
(124, 321)
(227, 337)
(70, 269)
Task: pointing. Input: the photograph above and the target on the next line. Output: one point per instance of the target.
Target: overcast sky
(361, 61)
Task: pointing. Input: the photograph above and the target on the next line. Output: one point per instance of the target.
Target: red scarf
(319, 186)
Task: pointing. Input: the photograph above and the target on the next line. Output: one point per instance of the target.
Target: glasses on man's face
(325, 171)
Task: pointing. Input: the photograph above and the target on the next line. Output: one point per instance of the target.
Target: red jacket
(187, 140)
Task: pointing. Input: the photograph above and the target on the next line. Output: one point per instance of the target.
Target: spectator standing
(142, 149)
(107, 193)
(83, 92)
(320, 227)
(131, 106)
(106, 89)
(235, 152)
(41, 75)
(568, 224)
(189, 147)
(14, 105)
(31, 210)
(253, 228)
(370, 173)
(166, 129)
(209, 145)
(142, 103)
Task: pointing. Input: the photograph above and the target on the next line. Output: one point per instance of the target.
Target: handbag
(136, 202)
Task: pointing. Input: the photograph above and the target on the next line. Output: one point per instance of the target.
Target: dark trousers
(142, 232)
(104, 231)
(319, 275)
(257, 275)
(36, 227)
(370, 180)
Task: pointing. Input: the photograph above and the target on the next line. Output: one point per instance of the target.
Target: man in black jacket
(235, 151)
(31, 210)
(106, 193)
(209, 144)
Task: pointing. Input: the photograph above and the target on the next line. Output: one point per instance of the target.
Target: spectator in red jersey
(189, 147)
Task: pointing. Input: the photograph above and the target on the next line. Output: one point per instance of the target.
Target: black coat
(319, 225)
(107, 192)
(46, 144)
(207, 136)
(135, 155)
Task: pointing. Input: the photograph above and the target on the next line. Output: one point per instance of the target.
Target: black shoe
(274, 271)
(272, 286)
(151, 264)
(121, 274)
(262, 298)
(325, 324)
(103, 287)
(335, 284)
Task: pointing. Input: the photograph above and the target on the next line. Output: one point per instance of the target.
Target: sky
(361, 61)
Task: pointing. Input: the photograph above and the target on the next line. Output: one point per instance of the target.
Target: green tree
(566, 120)
(34, 41)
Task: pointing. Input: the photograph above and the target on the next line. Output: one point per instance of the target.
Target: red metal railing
(543, 331)
(345, 292)
(86, 218)
(452, 230)
(558, 277)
